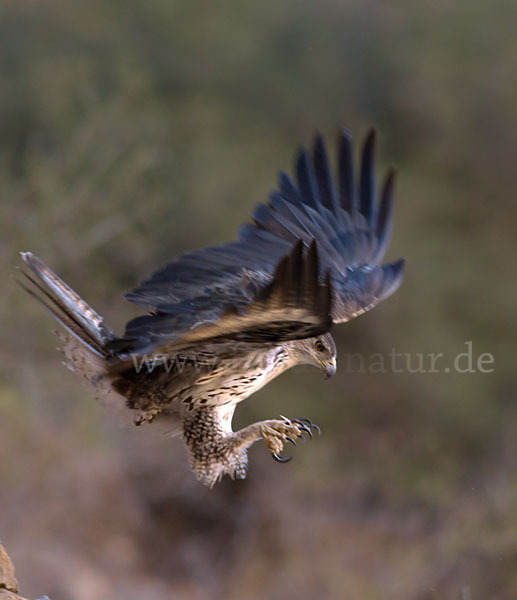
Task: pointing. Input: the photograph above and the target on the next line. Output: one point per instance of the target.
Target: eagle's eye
(320, 346)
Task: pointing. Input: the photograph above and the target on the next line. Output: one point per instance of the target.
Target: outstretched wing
(264, 287)
(293, 304)
(351, 228)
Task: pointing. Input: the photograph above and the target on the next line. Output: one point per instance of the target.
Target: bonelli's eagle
(226, 320)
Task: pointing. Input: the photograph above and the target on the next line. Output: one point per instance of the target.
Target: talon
(318, 429)
(310, 424)
(281, 459)
(303, 427)
(290, 439)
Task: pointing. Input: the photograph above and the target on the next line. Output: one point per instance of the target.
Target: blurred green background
(133, 130)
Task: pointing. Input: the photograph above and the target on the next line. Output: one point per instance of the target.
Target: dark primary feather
(367, 181)
(346, 172)
(324, 176)
(352, 229)
(228, 291)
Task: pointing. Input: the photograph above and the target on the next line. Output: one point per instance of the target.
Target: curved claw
(310, 424)
(317, 428)
(309, 432)
(303, 427)
(290, 439)
(281, 459)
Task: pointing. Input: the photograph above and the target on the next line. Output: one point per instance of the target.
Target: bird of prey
(224, 321)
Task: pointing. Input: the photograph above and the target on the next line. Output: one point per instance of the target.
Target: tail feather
(64, 319)
(74, 314)
(84, 340)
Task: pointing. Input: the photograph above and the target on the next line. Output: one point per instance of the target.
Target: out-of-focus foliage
(133, 130)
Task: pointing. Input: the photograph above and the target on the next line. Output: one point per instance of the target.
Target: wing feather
(324, 176)
(351, 228)
(346, 173)
(295, 303)
(312, 238)
(367, 179)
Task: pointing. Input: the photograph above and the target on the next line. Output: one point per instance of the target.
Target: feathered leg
(215, 450)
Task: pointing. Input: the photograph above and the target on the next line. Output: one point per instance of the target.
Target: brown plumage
(226, 320)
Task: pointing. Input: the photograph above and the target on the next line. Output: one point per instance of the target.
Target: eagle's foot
(276, 433)
(214, 452)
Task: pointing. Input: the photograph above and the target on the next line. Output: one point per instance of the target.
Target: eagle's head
(317, 351)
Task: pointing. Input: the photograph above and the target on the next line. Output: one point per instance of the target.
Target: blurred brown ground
(131, 131)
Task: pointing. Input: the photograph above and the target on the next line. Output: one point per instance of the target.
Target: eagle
(223, 321)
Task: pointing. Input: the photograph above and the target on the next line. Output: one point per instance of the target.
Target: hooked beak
(329, 369)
